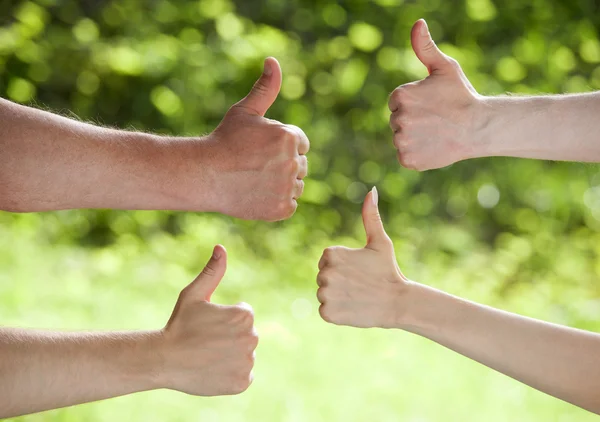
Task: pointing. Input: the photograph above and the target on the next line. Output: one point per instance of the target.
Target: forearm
(43, 370)
(48, 162)
(556, 127)
(557, 360)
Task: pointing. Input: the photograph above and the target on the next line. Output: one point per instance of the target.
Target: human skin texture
(249, 167)
(366, 288)
(205, 349)
(441, 119)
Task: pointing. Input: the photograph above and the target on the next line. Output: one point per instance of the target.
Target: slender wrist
(422, 309)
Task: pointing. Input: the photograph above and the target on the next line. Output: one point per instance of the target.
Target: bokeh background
(522, 235)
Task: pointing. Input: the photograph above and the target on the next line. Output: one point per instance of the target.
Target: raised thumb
(376, 235)
(207, 281)
(426, 50)
(265, 90)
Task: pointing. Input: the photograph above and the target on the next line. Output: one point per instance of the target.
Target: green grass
(306, 370)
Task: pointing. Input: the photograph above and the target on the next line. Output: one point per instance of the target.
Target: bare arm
(561, 361)
(555, 127)
(205, 349)
(365, 288)
(249, 167)
(442, 119)
(43, 370)
(49, 162)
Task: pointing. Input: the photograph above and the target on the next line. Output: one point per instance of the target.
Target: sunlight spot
(301, 308)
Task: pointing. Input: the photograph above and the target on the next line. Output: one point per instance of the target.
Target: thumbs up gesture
(434, 120)
(360, 287)
(257, 164)
(207, 349)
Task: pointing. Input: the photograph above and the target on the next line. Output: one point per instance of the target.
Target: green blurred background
(517, 234)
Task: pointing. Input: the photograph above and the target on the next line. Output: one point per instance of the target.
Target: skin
(249, 167)
(205, 349)
(366, 288)
(441, 119)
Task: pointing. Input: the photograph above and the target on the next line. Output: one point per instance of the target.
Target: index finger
(303, 142)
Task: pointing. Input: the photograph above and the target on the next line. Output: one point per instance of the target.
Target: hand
(434, 120)
(208, 349)
(361, 287)
(259, 163)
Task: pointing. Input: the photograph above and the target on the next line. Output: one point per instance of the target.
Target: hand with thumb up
(434, 120)
(360, 287)
(207, 349)
(257, 164)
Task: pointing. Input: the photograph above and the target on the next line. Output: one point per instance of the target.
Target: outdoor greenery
(518, 234)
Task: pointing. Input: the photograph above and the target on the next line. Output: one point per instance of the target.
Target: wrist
(483, 117)
(420, 311)
(179, 174)
(148, 360)
(510, 125)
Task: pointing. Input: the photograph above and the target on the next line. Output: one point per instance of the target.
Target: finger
(298, 188)
(302, 167)
(322, 279)
(376, 235)
(246, 306)
(426, 50)
(265, 90)
(395, 122)
(303, 142)
(322, 262)
(321, 295)
(207, 281)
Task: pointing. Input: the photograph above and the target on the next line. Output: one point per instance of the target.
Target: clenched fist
(434, 120)
(208, 349)
(361, 287)
(257, 164)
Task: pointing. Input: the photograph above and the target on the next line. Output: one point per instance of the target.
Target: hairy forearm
(45, 370)
(556, 127)
(561, 361)
(49, 162)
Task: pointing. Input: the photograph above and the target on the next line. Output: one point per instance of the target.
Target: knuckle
(280, 131)
(333, 253)
(286, 136)
(325, 313)
(302, 166)
(329, 253)
(405, 160)
(396, 140)
(240, 384)
(395, 100)
(243, 312)
(322, 294)
(325, 275)
(253, 340)
(292, 166)
(287, 208)
(300, 188)
(397, 97)
(394, 121)
(403, 143)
